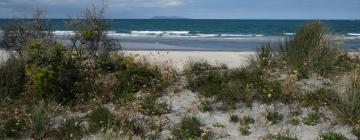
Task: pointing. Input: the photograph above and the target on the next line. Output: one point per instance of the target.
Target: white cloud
(60, 8)
(132, 3)
(146, 3)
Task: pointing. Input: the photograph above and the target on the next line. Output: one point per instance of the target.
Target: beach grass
(49, 90)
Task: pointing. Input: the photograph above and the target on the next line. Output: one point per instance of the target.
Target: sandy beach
(179, 58)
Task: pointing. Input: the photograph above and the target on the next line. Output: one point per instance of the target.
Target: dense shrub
(14, 128)
(234, 118)
(45, 70)
(208, 80)
(231, 85)
(318, 98)
(100, 119)
(245, 123)
(312, 48)
(134, 76)
(188, 128)
(50, 72)
(12, 79)
(332, 136)
(71, 129)
(42, 123)
(312, 119)
(253, 84)
(247, 120)
(274, 117)
(356, 131)
(150, 106)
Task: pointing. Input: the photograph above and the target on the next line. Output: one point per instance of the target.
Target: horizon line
(194, 19)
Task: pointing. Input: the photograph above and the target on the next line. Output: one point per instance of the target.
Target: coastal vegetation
(53, 90)
(275, 75)
(43, 78)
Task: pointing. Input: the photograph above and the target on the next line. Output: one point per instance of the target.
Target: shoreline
(189, 50)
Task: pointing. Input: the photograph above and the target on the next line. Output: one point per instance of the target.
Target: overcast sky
(197, 9)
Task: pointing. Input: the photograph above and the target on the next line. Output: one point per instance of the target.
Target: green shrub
(274, 117)
(188, 128)
(239, 85)
(85, 85)
(100, 119)
(125, 99)
(356, 131)
(294, 121)
(139, 77)
(247, 120)
(245, 130)
(312, 119)
(231, 86)
(318, 98)
(150, 106)
(204, 78)
(206, 105)
(12, 80)
(41, 119)
(71, 129)
(264, 57)
(347, 62)
(234, 118)
(311, 48)
(250, 84)
(332, 136)
(14, 128)
(303, 73)
(134, 76)
(245, 125)
(51, 72)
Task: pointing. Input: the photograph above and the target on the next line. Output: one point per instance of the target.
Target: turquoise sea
(221, 35)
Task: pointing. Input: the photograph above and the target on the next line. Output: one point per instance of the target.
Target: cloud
(133, 3)
(188, 8)
(147, 3)
(60, 8)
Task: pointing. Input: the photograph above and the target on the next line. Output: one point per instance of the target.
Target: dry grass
(347, 105)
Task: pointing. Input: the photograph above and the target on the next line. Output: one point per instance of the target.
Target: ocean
(215, 35)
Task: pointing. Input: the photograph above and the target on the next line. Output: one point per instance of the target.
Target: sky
(196, 9)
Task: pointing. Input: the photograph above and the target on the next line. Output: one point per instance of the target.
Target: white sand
(3, 56)
(179, 58)
(186, 103)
